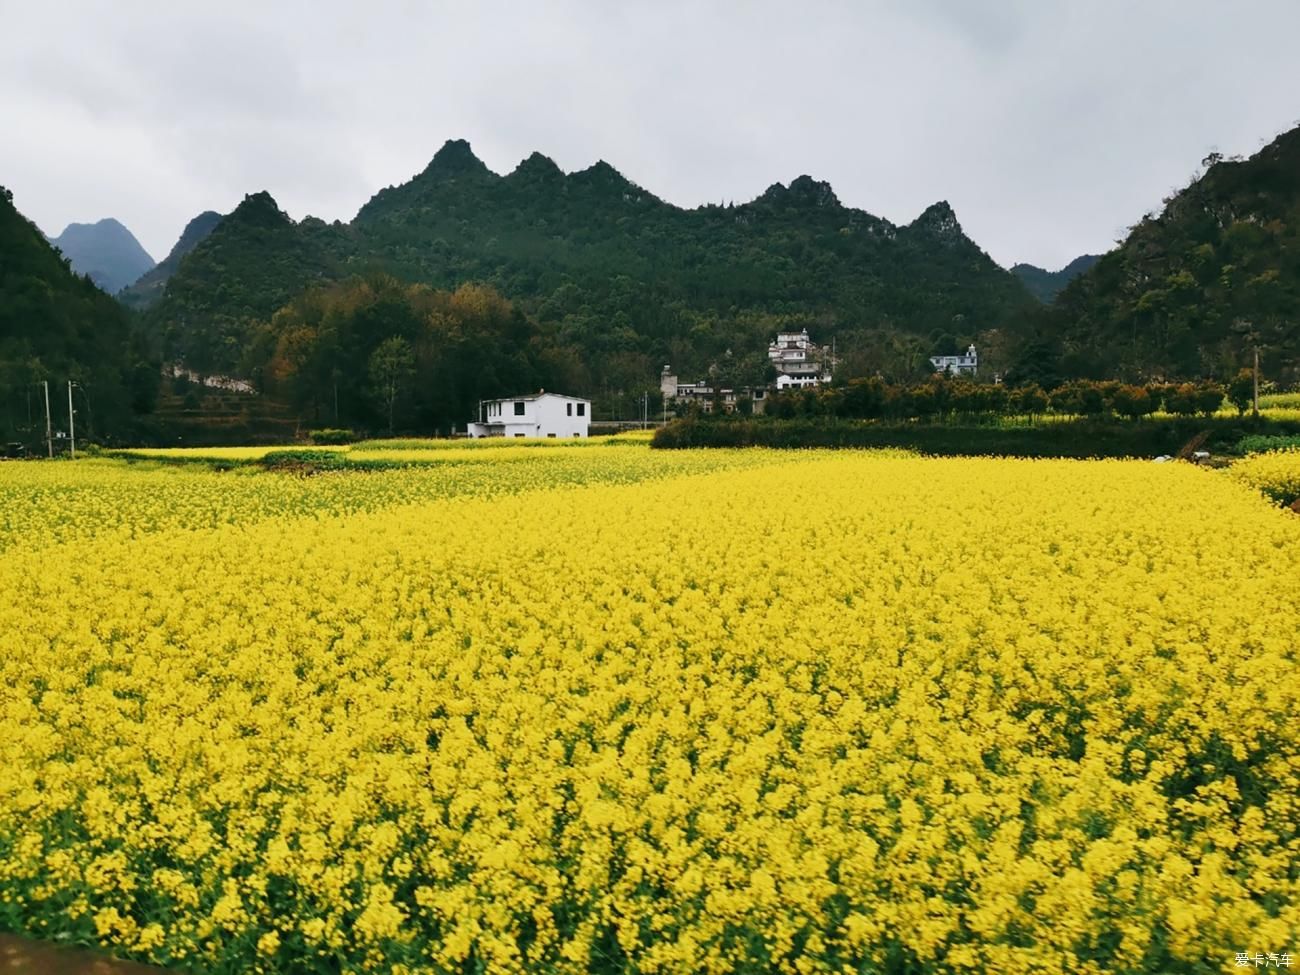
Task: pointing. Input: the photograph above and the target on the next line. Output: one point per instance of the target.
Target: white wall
(548, 414)
(558, 415)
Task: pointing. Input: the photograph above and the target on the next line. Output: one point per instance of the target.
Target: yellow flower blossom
(604, 708)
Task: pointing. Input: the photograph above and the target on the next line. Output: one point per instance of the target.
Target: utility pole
(72, 434)
(49, 433)
(1255, 390)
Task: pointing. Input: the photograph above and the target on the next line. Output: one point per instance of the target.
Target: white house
(540, 414)
(786, 381)
(797, 361)
(957, 365)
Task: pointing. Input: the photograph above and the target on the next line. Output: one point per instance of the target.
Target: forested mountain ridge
(253, 262)
(623, 279)
(1046, 285)
(1192, 289)
(105, 251)
(149, 287)
(620, 281)
(57, 325)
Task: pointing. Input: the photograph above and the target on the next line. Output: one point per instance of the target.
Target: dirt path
(22, 956)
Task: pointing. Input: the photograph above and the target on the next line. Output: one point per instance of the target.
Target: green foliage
(618, 281)
(302, 460)
(945, 399)
(331, 437)
(1134, 402)
(1241, 390)
(1081, 398)
(148, 288)
(56, 326)
(1180, 400)
(251, 263)
(392, 367)
(1257, 443)
(1068, 438)
(426, 357)
(1046, 285)
(1193, 290)
(1028, 400)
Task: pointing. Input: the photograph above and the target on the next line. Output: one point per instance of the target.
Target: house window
(550, 434)
(569, 408)
(582, 408)
(518, 434)
(519, 407)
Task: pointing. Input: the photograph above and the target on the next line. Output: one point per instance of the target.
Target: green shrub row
(1262, 443)
(330, 437)
(874, 399)
(1067, 438)
(304, 460)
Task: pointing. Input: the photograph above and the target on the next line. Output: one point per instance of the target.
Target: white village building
(957, 365)
(798, 362)
(703, 393)
(539, 414)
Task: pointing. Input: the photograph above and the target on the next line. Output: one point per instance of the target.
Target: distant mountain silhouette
(1046, 285)
(105, 251)
(149, 287)
(621, 278)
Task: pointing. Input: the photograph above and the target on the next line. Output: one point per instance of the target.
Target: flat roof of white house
(528, 396)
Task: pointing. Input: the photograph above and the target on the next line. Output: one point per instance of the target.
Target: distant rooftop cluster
(795, 359)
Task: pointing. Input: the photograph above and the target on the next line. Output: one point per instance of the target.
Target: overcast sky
(1049, 125)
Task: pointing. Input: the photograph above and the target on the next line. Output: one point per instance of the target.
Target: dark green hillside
(149, 288)
(373, 352)
(619, 281)
(253, 262)
(614, 275)
(1193, 288)
(1046, 285)
(56, 325)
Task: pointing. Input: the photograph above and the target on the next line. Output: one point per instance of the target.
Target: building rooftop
(532, 396)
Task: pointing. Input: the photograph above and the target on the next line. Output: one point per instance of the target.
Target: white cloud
(1048, 126)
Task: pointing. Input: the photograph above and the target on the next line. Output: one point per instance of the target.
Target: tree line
(376, 353)
(943, 398)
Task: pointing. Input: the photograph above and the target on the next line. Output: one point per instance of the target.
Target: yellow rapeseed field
(1275, 473)
(622, 710)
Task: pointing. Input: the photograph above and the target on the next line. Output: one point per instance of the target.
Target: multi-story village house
(794, 357)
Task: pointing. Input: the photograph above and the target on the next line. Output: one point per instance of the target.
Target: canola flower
(830, 712)
(42, 503)
(1275, 473)
(429, 449)
(234, 454)
(499, 443)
